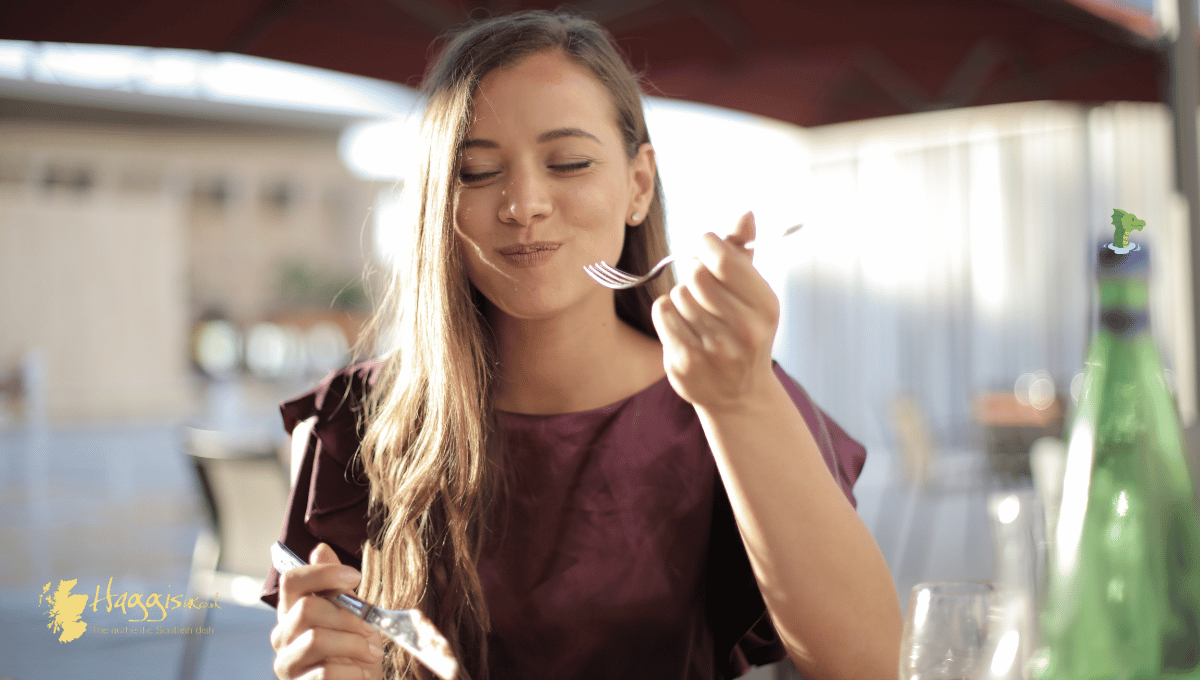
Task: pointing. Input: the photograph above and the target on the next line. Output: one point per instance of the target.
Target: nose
(525, 198)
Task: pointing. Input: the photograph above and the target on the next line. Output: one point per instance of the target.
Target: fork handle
(749, 245)
(283, 559)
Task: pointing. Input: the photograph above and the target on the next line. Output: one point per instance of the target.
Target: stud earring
(635, 218)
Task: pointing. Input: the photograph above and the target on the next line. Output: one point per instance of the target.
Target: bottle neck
(1131, 293)
(1124, 305)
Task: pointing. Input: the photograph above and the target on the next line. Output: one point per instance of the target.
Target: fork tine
(628, 280)
(594, 271)
(617, 275)
(611, 277)
(604, 275)
(601, 270)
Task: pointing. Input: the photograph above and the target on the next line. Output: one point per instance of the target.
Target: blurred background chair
(933, 522)
(244, 486)
(913, 440)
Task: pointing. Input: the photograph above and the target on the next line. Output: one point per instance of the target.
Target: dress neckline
(592, 411)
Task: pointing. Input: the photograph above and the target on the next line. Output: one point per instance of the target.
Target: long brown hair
(430, 448)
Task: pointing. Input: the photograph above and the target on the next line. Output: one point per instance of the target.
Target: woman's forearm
(824, 581)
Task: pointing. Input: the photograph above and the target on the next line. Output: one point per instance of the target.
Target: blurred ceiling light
(88, 65)
(274, 351)
(328, 348)
(1035, 389)
(1008, 509)
(385, 151)
(193, 74)
(382, 150)
(387, 221)
(13, 60)
(238, 78)
(170, 73)
(1021, 388)
(1041, 391)
(218, 348)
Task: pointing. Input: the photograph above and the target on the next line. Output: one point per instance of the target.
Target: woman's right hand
(314, 638)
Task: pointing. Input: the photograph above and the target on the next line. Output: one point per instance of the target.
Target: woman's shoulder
(844, 456)
(340, 395)
(330, 493)
(336, 408)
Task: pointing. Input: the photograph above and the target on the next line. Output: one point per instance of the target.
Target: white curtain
(945, 254)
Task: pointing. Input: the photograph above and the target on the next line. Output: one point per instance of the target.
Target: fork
(611, 277)
(409, 628)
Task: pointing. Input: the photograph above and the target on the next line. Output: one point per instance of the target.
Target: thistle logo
(65, 610)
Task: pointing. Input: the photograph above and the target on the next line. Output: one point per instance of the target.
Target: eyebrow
(566, 132)
(548, 136)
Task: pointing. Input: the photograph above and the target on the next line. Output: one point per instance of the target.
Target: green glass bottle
(1123, 589)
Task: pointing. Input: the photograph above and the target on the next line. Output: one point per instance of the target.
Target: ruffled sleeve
(743, 634)
(843, 456)
(329, 500)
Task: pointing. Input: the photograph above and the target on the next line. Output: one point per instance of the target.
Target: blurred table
(1010, 427)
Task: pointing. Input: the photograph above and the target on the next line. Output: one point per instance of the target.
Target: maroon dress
(617, 556)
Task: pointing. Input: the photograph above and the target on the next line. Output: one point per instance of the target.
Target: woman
(553, 471)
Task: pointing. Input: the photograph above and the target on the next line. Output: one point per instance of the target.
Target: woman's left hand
(717, 325)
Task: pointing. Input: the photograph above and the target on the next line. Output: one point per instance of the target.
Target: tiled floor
(940, 532)
(94, 503)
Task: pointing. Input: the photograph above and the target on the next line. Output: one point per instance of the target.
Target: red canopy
(808, 63)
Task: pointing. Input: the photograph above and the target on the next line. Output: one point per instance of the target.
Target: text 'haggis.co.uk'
(150, 602)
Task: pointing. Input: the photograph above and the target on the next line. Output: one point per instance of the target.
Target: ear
(641, 184)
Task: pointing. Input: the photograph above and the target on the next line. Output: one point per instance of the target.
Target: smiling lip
(525, 255)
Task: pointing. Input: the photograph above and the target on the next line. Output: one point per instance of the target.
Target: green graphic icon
(1125, 222)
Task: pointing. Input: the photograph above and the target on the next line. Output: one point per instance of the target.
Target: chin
(538, 305)
(539, 300)
(531, 311)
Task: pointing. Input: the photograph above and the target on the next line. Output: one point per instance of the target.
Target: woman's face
(546, 187)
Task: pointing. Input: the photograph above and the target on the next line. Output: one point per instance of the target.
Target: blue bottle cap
(1111, 262)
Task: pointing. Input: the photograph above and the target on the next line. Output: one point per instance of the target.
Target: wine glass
(946, 630)
(1022, 552)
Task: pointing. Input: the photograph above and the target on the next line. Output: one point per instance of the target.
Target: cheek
(602, 206)
(471, 226)
(605, 220)
(466, 212)
(470, 257)
(478, 267)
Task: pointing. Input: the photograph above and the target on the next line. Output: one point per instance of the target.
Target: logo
(66, 611)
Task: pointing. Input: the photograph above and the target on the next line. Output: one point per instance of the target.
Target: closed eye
(474, 177)
(562, 168)
(571, 167)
